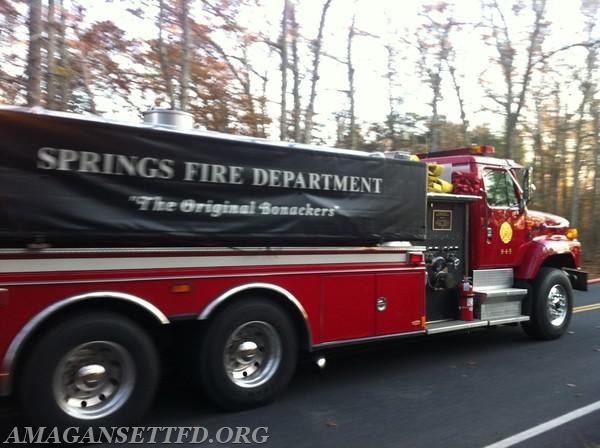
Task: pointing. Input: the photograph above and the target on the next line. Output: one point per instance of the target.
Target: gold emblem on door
(506, 232)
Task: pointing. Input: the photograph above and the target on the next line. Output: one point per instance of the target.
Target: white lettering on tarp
(103, 163)
(156, 168)
(153, 203)
(218, 174)
(315, 181)
(218, 209)
(266, 208)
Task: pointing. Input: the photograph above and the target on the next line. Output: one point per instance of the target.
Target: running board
(458, 325)
(508, 320)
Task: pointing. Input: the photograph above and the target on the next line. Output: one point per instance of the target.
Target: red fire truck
(120, 243)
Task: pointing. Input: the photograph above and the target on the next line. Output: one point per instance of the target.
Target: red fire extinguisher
(465, 303)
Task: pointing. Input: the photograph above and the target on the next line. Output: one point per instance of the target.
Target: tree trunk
(511, 134)
(351, 98)
(539, 161)
(434, 48)
(263, 102)
(579, 129)
(163, 56)
(435, 82)
(246, 86)
(596, 155)
(553, 186)
(461, 106)
(512, 101)
(63, 78)
(296, 74)
(51, 56)
(87, 82)
(34, 55)
(587, 97)
(283, 51)
(536, 39)
(184, 75)
(316, 50)
(390, 74)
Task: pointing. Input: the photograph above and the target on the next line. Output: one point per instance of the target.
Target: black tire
(248, 354)
(92, 370)
(550, 305)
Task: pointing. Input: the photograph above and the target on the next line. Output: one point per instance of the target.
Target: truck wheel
(95, 369)
(551, 305)
(248, 355)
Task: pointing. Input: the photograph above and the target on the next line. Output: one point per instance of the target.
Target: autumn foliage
(273, 68)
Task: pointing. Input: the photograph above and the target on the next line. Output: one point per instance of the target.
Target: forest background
(521, 75)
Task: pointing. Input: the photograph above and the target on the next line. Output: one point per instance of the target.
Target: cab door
(504, 227)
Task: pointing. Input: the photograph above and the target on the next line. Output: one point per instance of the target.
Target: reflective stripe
(123, 263)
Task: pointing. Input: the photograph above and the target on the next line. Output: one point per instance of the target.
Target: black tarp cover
(73, 181)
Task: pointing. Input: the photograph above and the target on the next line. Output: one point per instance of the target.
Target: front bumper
(579, 278)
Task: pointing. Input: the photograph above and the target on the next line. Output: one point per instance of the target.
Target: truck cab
(510, 252)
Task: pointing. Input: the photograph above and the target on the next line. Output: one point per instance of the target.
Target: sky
(385, 20)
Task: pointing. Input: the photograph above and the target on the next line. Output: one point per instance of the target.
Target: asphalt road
(455, 390)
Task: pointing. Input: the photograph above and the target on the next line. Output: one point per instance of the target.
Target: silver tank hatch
(169, 118)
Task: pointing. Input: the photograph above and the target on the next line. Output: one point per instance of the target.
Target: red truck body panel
(335, 290)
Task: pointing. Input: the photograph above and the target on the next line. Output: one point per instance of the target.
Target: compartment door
(399, 302)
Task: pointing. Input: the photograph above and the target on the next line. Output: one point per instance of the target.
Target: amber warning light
(475, 150)
(572, 234)
(483, 149)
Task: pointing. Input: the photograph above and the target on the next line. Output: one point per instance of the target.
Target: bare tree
(163, 54)
(296, 111)
(537, 130)
(11, 84)
(516, 85)
(435, 50)
(51, 55)
(595, 213)
(174, 48)
(588, 90)
(392, 100)
(559, 156)
(186, 54)
(84, 64)
(460, 99)
(283, 52)
(316, 45)
(62, 78)
(34, 55)
(240, 64)
(351, 89)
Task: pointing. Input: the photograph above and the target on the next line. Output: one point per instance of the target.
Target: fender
(8, 364)
(537, 252)
(285, 294)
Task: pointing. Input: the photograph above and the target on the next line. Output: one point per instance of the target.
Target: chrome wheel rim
(252, 354)
(94, 380)
(557, 307)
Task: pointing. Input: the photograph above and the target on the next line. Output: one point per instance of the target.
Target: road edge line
(544, 427)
